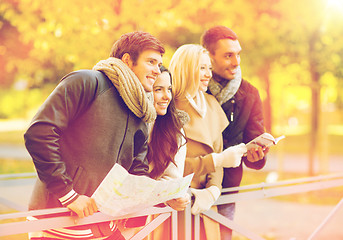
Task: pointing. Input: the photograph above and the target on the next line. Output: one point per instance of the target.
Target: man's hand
(179, 204)
(254, 155)
(83, 206)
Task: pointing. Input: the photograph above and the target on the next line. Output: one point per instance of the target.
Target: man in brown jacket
(241, 103)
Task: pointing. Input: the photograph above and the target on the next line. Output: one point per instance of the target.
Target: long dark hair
(165, 138)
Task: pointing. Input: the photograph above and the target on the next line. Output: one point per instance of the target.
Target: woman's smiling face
(162, 93)
(205, 71)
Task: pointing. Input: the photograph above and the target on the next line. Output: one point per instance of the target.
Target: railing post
(196, 227)
(174, 228)
(188, 222)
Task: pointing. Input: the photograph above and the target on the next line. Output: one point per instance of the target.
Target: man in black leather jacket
(241, 103)
(91, 121)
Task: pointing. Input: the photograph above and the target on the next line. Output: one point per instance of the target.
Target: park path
(278, 220)
(14, 152)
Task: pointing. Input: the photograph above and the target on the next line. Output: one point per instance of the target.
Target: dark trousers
(227, 210)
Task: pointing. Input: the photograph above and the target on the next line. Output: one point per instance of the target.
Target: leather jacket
(83, 129)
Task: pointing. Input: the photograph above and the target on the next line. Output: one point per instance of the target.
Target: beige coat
(204, 136)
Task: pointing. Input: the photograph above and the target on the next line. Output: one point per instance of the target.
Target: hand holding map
(121, 193)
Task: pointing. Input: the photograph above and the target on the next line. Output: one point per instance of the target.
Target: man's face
(226, 58)
(147, 68)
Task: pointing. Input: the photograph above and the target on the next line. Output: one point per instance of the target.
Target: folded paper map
(121, 193)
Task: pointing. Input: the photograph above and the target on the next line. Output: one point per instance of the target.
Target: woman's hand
(179, 204)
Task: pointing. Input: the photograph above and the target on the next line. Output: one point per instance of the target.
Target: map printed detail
(121, 193)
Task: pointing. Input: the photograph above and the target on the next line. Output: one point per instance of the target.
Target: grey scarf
(223, 94)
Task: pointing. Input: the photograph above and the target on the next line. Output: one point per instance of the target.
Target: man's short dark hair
(213, 35)
(134, 43)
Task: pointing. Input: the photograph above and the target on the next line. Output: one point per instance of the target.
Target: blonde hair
(184, 67)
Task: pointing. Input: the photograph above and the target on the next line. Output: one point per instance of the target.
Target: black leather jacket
(78, 134)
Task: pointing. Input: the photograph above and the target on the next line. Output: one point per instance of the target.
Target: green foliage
(9, 166)
(285, 43)
(21, 103)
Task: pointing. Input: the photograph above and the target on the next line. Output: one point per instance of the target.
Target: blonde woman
(191, 70)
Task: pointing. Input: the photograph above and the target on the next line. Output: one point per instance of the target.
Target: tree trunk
(315, 110)
(267, 108)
